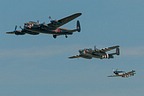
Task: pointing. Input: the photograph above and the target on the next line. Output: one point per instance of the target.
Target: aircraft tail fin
(117, 51)
(78, 26)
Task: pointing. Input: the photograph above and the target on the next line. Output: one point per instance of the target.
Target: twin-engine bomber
(97, 53)
(35, 28)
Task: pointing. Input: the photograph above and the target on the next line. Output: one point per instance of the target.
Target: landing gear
(54, 36)
(66, 36)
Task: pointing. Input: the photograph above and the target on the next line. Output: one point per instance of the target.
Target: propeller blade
(38, 21)
(94, 47)
(50, 17)
(20, 27)
(15, 28)
(115, 69)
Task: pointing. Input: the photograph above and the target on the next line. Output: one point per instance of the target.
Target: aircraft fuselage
(89, 54)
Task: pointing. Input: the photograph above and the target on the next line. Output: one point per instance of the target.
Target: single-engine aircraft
(97, 53)
(35, 28)
(119, 73)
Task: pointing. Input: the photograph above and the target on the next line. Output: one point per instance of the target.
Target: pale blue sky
(39, 65)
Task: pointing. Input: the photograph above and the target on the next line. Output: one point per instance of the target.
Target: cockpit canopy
(119, 72)
(85, 50)
(31, 24)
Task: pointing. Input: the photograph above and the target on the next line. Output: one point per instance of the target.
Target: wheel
(66, 36)
(54, 36)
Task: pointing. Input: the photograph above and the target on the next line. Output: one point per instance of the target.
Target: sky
(39, 65)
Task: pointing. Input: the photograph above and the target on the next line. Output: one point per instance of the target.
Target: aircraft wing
(109, 48)
(130, 73)
(10, 32)
(76, 56)
(16, 32)
(63, 21)
(113, 76)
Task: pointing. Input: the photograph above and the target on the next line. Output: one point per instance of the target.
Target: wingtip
(9, 32)
(79, 14)
(70, 57)
(117, 46)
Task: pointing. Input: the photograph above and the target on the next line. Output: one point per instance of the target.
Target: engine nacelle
(19, 33)
(111, 56)
(107, 56)
(55, 22)
(32, 33)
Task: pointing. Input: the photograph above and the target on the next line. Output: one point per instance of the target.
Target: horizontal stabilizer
(116, 53)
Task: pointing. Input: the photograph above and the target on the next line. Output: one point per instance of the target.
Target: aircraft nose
(115, 72)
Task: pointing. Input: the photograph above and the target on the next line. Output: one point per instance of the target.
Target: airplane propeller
(95, 48)
(20, 27)
(43, 25)
(115, 69)
(50, 18)
(38, 21)
(15, 28)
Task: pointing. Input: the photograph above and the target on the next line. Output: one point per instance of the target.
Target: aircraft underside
(90, 56)
(49, 32)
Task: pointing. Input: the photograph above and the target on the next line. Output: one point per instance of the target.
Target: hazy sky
(39, 65)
